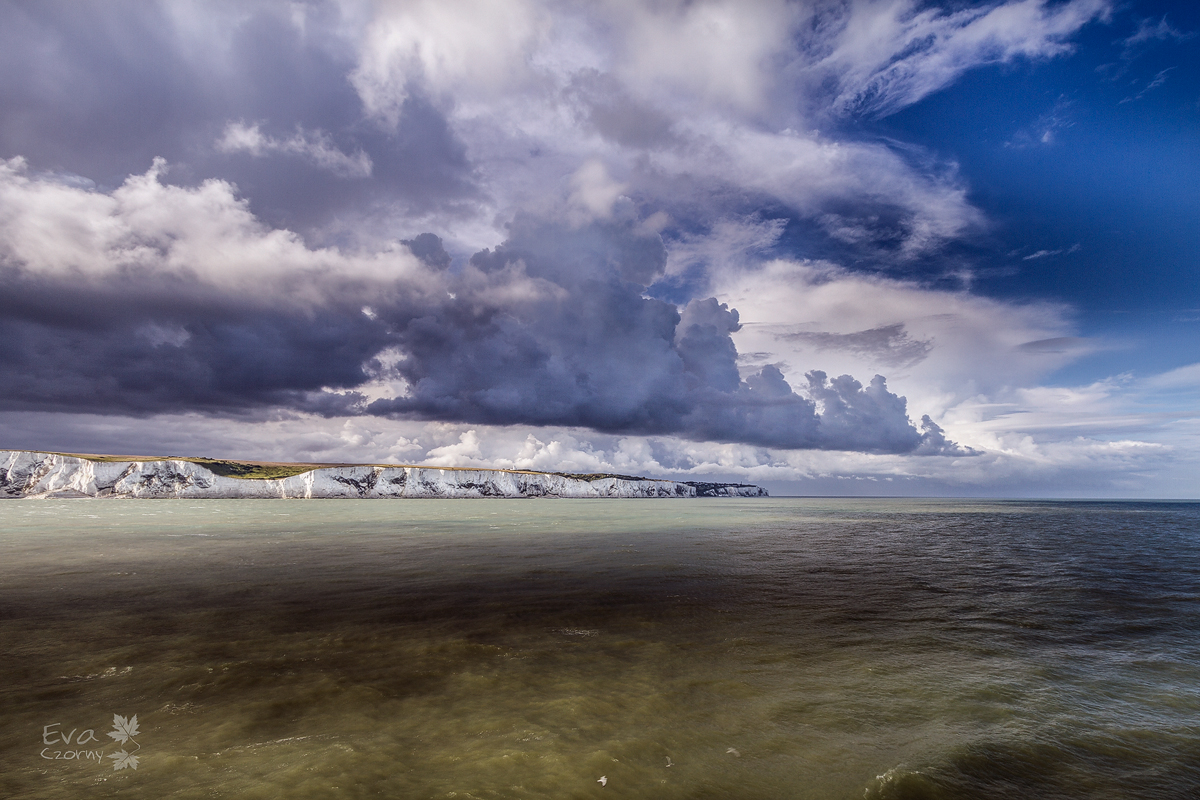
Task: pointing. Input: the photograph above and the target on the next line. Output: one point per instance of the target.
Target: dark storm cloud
(153, 346)
(429, 249)
(178, 299)
(100, 89)
(590, 350)
(162, 299)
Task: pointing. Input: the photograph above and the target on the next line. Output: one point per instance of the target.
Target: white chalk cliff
(25, 474)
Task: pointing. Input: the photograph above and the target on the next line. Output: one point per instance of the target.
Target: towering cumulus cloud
(553, 328)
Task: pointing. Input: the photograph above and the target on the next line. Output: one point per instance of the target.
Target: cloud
(863, 417)
(1078, 463)
(316, 146)
(100, 89)
(156, 297)
(1150, 31)
(890, 54)
(889, 345)
(883, 55)
(627, 176)
(702, 107)
(429, 249)
(593, 192)
(1109, 438)
(859, 192)
(1182, 378)
(726, 243)
(1046, 128)
(1158, 80)
(55, 227)
(800, 313)
(604, 103)
(1059, 344)
(465, 452)
(581, 346)
(1045, 253)
(720, 52)
(475, 46)
(454, 117)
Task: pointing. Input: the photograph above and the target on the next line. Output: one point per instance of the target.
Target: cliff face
(39, 475)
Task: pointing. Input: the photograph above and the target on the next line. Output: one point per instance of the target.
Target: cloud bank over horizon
(674, 236)
(154, 298)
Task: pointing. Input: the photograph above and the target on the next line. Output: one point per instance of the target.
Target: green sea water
(765, 648)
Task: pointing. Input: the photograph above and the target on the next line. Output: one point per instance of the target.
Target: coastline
(28, 474)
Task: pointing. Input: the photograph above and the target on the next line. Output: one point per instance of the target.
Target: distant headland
(32, 474)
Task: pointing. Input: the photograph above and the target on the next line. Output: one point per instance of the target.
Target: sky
(844, 247)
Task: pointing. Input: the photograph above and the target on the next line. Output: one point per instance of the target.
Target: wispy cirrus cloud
(1034, 256)
(1158, 80)
(886, 55)
(1150, 31)
(1045, 129)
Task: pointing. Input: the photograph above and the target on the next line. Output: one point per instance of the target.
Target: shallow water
(767, 648)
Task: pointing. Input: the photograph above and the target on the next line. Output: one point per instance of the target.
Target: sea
(707, 648)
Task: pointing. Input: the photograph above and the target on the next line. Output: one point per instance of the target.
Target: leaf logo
(123, 731)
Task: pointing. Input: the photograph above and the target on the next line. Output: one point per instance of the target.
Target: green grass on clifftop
(595, 476)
